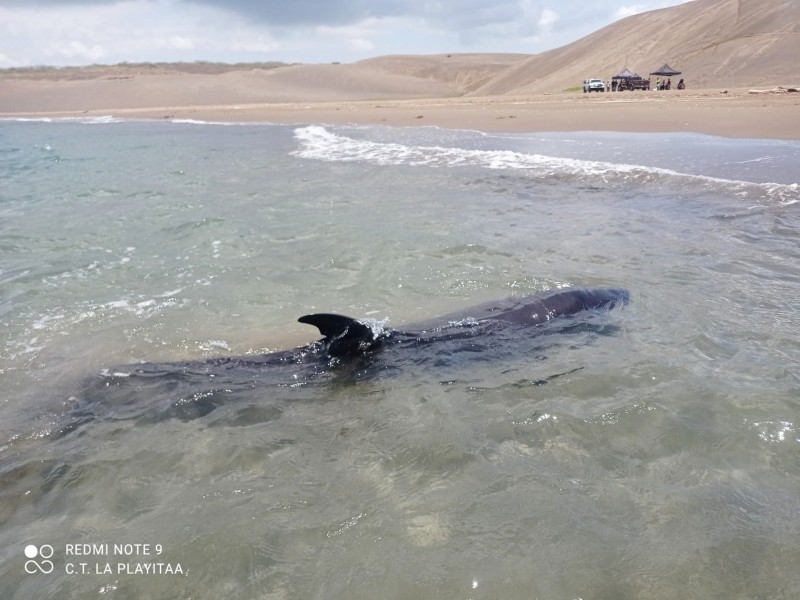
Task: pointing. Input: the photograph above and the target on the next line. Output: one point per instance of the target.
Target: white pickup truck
(593, 85)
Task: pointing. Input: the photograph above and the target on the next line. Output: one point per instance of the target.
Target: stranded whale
(350, 350)
(345, 336)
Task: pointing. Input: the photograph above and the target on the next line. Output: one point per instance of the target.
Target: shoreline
(737, 113)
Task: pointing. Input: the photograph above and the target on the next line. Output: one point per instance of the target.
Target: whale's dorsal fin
(330, 325)
(344, 335)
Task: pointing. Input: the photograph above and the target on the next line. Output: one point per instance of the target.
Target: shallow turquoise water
(658, 460)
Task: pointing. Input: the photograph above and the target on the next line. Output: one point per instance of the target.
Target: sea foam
(320, 143)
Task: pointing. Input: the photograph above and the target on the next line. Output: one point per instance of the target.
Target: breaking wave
(84, 120)
(319, 143)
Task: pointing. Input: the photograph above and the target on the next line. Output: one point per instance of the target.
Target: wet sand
(736, 114)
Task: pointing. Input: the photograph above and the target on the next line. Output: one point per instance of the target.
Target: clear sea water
(656, 458)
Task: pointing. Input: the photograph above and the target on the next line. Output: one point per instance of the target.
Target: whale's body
(351, 349)
(345, 336)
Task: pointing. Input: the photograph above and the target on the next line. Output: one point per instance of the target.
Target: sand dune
(118, 87)
(463, 73)
(715, 43)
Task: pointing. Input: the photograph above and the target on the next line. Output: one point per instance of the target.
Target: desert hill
(463, 73)
(713, 42)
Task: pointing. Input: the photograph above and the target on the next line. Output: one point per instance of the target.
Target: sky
(82, 32)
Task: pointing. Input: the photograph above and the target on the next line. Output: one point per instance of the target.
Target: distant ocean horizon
(652, 456)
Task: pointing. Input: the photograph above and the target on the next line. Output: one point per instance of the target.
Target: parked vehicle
(639, 84)
(630, 83)
(593, 85)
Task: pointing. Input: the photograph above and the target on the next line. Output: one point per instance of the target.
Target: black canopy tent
(625, 74)
(666, 71)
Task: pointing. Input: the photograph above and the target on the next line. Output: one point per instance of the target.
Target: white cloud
(6, 62)
(547, 20)
(63, 32)
(635, 9)
(129, 31)
(361, 45)
(78, 50)
(371, 36)
(628, 11)
(180, 42)
(251, 46)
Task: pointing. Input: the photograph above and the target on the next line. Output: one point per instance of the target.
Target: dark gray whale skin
(345, 336)
(348, 337)
(350, 350)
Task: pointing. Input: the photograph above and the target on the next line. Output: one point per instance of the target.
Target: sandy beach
(233, 97)
(735, 114)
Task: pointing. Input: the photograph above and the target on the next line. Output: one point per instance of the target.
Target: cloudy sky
(78, 32)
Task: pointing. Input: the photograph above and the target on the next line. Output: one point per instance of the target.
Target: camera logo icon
(43, 554)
